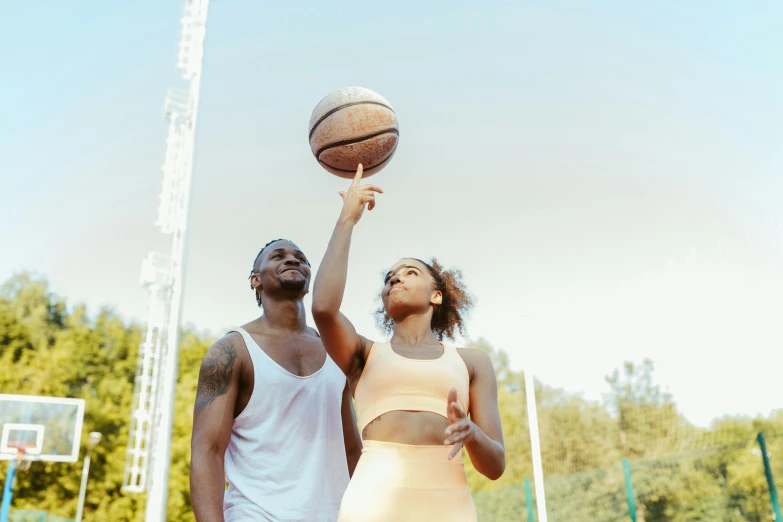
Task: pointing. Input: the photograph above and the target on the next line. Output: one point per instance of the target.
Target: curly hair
(447, 317)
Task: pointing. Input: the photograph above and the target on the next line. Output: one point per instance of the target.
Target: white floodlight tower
(149, 441)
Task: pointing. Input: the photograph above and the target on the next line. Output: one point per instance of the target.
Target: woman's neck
(414, 330)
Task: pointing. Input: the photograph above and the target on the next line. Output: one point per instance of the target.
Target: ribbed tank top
(285, 459)
(391, 382)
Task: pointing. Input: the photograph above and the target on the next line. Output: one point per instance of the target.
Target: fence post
(773, 493)
(529, 501)
(629, 490)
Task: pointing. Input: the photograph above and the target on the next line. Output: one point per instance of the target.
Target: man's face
(282, 269)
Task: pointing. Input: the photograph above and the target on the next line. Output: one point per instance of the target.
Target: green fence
(724, 483)
(21, 515)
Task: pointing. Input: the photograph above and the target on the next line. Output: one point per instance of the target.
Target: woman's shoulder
(474, 354)
(477, 361)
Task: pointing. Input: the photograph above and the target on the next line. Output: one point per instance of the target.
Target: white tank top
(285, 459)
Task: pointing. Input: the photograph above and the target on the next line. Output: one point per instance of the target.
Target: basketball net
(21, 463)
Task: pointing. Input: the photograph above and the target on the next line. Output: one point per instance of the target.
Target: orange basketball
(350, 126)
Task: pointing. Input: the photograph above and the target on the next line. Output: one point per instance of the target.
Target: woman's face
(408, 289)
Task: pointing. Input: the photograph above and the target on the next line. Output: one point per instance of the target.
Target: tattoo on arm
(215, 376)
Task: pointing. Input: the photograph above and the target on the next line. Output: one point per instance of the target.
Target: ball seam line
(355, 140)
(312, 131)
(387, 158)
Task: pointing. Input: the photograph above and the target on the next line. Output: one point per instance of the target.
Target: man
(273, 412)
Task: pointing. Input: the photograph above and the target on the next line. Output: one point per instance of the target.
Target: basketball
(350, 126)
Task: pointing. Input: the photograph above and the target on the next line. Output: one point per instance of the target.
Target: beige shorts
(401, 482)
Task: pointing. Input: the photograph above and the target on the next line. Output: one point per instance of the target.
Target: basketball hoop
(21, 446)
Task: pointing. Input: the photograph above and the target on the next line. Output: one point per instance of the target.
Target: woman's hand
(461, 429)
(356, 197)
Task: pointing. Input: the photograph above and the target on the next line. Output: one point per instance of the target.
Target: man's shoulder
(230, 339)
(313, 332)
(231, 345)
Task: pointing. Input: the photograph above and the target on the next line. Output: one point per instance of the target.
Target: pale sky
(608, 176)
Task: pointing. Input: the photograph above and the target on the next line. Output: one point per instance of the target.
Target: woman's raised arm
(339, 336)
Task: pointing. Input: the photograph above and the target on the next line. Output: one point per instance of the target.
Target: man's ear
(255, 283)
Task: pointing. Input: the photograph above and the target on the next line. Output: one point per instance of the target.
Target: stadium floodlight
(148, 456)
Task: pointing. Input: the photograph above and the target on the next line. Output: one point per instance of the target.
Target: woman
(418, 401)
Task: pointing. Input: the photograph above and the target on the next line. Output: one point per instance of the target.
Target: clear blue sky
(609, 176)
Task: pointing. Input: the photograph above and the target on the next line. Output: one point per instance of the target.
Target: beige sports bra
(391, 382)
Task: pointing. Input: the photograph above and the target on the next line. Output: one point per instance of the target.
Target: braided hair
(447, 317)
(255, 266)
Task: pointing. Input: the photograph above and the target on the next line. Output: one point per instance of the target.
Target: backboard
(49, 428)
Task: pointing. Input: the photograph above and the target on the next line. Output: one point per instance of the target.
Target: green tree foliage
(681, 473)
(45, 350)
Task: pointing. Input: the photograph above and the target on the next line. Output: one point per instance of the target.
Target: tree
(681, 473)
(648, 422)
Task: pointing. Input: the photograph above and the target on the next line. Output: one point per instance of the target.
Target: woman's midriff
(408, 427)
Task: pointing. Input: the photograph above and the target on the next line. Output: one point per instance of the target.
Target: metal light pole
(148, 459)
(95, 438)
(535, 445)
